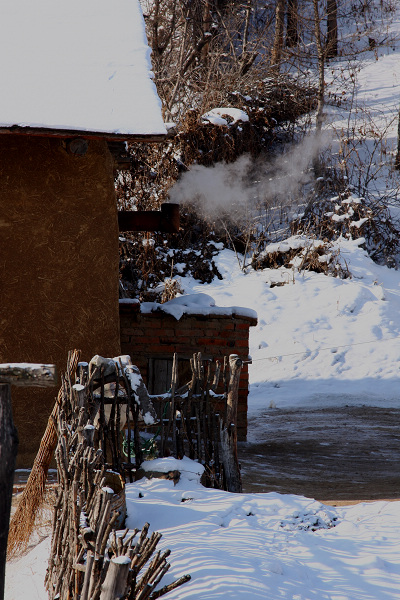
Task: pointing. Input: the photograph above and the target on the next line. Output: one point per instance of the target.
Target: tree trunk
(8, 454)
(116, 579)
(292, 27)
(397, 161)
(321, 86)
(332, 30)
(207, 22)
(276, 52)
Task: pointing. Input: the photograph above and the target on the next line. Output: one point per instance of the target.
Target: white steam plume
(236, 187)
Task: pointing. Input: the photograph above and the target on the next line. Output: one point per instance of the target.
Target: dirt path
(331, 454)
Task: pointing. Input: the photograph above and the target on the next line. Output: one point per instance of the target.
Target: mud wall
(58, 264)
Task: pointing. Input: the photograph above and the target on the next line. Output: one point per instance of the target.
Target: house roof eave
(73, 133)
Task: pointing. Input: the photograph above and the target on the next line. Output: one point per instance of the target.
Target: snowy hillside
(319, 339)
(322, 339)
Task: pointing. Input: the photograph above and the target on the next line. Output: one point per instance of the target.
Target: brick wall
(158, 335)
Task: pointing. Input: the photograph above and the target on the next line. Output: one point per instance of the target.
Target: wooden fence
(88, 559)
(104, 419)
(192, 421)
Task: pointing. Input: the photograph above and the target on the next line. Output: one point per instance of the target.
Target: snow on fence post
(8, 455)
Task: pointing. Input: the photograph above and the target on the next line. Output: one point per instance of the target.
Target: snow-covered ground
(254, 546)
(319, 340)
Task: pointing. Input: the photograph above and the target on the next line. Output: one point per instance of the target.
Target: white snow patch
(216, 116)
(186, 466)
(196, 304)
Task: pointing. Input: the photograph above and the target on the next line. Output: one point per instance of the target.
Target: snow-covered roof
(77, 66)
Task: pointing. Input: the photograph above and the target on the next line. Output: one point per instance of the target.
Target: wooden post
(114, 585)
(235, 367)
(166, 219)
(8, 455)
(228, 432)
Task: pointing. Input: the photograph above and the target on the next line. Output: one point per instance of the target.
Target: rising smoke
(243, 187)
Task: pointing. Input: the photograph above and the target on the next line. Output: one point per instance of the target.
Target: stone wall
(152, 338)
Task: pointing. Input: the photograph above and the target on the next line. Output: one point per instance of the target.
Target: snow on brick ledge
(193, 304)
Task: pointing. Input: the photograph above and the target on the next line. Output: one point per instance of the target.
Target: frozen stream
(342, 453)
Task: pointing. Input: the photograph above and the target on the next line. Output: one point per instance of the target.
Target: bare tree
(397, 162)
(292, 24)
(321, 82)
(277, 47)
(332, 30)
(203, 46)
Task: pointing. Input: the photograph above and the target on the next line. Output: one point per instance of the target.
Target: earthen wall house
(59, 264)
(75, 77)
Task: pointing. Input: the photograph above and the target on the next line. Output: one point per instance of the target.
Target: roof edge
(67, 133)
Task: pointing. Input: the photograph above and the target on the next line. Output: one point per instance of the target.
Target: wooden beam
(165, 220)
(28, 374)
(68, 133)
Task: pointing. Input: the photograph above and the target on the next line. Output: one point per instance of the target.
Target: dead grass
(41, 528)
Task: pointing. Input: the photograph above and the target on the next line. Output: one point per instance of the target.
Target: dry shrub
(165, 257)
(325, 221)
(304, 254)
(272, 105)
(350, 217)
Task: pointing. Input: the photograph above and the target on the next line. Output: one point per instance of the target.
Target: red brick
(125, 322)
(161, 333)
(129, 330)
(157, 350)
(241, 327)
(227, 326)
(212, 342)
(242, 344)
(187, 324)
(149, 323)
(184, 340)
(138, 332)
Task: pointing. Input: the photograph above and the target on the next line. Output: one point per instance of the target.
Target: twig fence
(89, 560)
(193, 420)
(101, 408)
